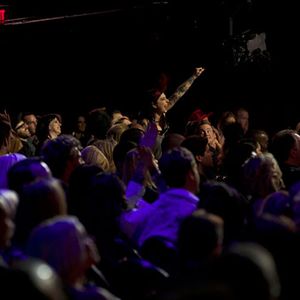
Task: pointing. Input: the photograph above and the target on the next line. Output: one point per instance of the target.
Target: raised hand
(150, 135)
(199, 71)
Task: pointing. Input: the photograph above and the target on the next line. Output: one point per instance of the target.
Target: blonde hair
(94, 156)
(262, 175)
(114, 132)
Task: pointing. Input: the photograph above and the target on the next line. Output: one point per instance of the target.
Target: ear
(198, 158)
(154, 105)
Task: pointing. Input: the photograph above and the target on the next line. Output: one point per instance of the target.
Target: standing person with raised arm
(156, 106)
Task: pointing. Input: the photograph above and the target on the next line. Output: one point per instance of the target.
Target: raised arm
(182, 89)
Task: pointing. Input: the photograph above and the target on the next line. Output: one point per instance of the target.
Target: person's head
(48, 127)
(62, 155)
(155, 102)
(105, 202)
(171, 140)
(7, 161)
(98, 123)
(114, 133)
(179, 169)
(199, 147)
(63, 243)
(278, 204)
(285, 146)
(55, 128)
(8, 205)
(226, 202)
(31, 279)
(162, 104)
(262, 175)
(5, 130)
(39, 201)
(119, 118)
(297, 128)
(94, 156)
(81, 123)
(242, 117)
(208, 129)
(250, 271)
(262, 138)
(227, 117)
(27, 171)
(22, 130)
(130, 164)
(31, 121)
(200, 237)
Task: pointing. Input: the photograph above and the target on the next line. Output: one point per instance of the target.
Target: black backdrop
(70, 65)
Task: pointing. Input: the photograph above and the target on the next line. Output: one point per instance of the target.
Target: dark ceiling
(104, 53)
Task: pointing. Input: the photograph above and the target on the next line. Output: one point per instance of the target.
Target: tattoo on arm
(181, 90)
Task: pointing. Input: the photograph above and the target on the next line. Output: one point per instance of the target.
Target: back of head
(281, 144)
(119, 154)
(221, 199)
(8, 205)
(242, 117)
(27, 283)
(261, 175)
(200, 237)
(196, 144)
(171, 140)
(262, 138)
(277, 204)
(60, 243)
(131, 135)
(27, 171)
(34, 279)
(175, 165)
(6, 162)
(105, 202)
(94, 156)
(98, 123)
(116, 131)
(232, 132)
(39, 201)
(249, 269)
(8, 201)
(59, 151)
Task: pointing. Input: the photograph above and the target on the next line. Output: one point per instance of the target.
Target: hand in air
(199, 71)
(150, 136)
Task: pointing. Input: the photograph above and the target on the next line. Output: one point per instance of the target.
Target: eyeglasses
(31, 122)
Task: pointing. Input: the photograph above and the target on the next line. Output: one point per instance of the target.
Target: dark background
(72, 64)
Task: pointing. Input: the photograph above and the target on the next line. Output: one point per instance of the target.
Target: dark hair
(42, 129)
(148, 100)
(98, 122)
(281, 145)
(196, 144)
(24, 172)
(58, 151)
(175, 164)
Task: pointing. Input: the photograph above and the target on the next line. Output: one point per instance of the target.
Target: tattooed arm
(182, 89)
